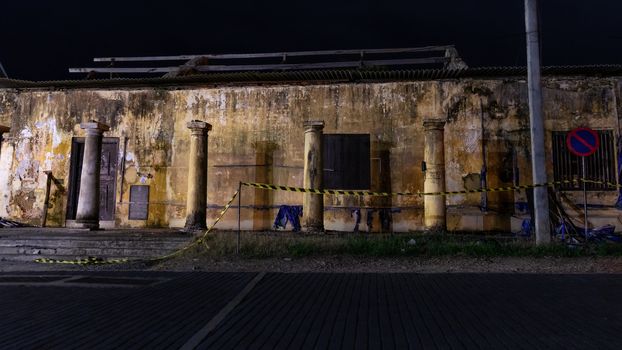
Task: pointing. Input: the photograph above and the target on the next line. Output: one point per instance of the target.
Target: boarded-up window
(599, 166)
(139, 202)
(346, 161)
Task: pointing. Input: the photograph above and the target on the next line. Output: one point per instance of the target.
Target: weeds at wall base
(286, 244)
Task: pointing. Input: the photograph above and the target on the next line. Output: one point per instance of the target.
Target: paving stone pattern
(162, 316)
(409, 311)
(311, 310)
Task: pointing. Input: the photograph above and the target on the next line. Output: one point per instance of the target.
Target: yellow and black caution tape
(389, 194)
(610, 184)
(100, 261)
(85, 261)
(202, 239)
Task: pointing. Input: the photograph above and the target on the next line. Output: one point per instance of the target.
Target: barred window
(599, 166)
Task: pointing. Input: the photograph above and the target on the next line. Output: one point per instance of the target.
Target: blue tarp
(288, 213)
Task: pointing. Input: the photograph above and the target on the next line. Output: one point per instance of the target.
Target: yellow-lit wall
(258, 136)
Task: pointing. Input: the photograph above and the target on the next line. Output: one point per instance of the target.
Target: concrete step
(27, 245)
(87, 243)
(98, 252)
(31, 258)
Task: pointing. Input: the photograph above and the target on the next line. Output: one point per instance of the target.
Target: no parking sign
(582, 142)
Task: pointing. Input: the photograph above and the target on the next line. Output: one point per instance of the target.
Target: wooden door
(108, 170)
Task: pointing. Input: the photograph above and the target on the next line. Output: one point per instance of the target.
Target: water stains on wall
(485, 118)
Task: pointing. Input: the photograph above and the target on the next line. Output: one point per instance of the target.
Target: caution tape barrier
(100, 261)
(86, 261)
(202, 239)
(610, 184)
(389, 194)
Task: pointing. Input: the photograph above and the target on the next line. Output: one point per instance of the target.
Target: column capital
(4, 129)
(433, 124)
(94, 127)
(199, 125)
(313, 125)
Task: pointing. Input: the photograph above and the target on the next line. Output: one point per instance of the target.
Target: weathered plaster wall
(258, 136)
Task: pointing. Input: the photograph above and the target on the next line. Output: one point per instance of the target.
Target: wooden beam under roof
(265, 67)
(122, 70)
(275, 54)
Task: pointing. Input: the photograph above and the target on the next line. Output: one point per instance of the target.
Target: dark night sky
(39, 40)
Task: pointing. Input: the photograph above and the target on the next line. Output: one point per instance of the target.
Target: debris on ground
(9, 223)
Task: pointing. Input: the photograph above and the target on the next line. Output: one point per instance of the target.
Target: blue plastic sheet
(288, 213)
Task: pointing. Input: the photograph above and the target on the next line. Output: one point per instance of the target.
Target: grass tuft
(285, 244)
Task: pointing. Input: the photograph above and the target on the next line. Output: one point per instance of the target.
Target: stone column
(196, 201)
(434, 157)
(313, 204)
(88, 199)
(3, 129)
(6, 160)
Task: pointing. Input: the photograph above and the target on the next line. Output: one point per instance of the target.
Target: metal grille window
(599, 166)
(139, 202)
(346, 161)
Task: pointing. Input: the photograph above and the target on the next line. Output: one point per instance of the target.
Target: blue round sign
(582, 142)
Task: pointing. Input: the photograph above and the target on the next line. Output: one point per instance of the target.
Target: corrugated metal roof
(314, 76)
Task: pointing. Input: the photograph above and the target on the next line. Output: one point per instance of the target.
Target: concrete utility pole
(536, 120)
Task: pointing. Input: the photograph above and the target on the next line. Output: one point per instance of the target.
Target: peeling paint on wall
(43, 124)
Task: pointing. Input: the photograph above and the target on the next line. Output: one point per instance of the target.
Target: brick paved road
(161, 316)
(354, 311)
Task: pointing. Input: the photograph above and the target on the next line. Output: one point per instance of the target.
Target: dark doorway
(346, 161)
(108, 170)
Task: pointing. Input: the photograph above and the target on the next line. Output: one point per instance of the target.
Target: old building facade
(377, 132)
